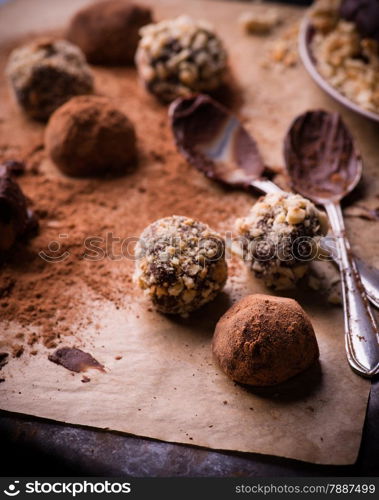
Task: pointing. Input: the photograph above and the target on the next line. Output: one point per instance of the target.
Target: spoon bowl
(214, 141)
(321, 157)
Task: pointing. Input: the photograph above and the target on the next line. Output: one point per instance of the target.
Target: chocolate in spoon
(215, 142)
(324, 165)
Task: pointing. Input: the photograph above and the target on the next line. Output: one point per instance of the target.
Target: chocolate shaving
(3, 359)
(75, 360)
(321, 156)
(214, 141)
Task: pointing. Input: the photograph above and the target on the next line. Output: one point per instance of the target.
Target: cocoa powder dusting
(49, 292)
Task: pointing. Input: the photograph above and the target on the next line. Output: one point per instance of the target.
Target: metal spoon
(215, 142)
(325, 165)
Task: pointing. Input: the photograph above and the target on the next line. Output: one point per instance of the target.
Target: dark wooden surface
(39, 447)
(32, 447)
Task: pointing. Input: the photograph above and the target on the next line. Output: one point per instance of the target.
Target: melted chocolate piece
(364, 14)
(321, 156)
(214, 141)
(16, 220)
(75, 360)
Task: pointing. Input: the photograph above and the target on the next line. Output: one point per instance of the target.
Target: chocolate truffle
(280, 237)
(180, 56)
(180, 263)
(89, 136)
(15, 219)
(263, 340)
(364, 14)
(46, 73)
(108, 31)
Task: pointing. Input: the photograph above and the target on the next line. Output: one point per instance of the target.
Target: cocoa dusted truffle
(180, 56)
(15, 218)
(89, 136)
(180, 263)
(264, 340)
(108, 31)
(46, 73)
(280, 236)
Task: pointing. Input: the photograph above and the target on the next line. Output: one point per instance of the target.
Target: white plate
(305, 37)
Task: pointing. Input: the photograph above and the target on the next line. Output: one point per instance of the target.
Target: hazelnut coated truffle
(180, 264)
(46, 73)
(89, 136)
(180, 56)
(263, 340)
(280, 237)
(108, 31)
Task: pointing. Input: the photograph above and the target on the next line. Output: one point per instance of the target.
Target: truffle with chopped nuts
(264, 340)
(107, 31)
(280, 236)
(180, 263)
(180, 56)
(46, 73)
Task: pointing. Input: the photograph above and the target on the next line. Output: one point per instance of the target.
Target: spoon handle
(266, 186)
(369, 275)
(370, 280)
(361, 331)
